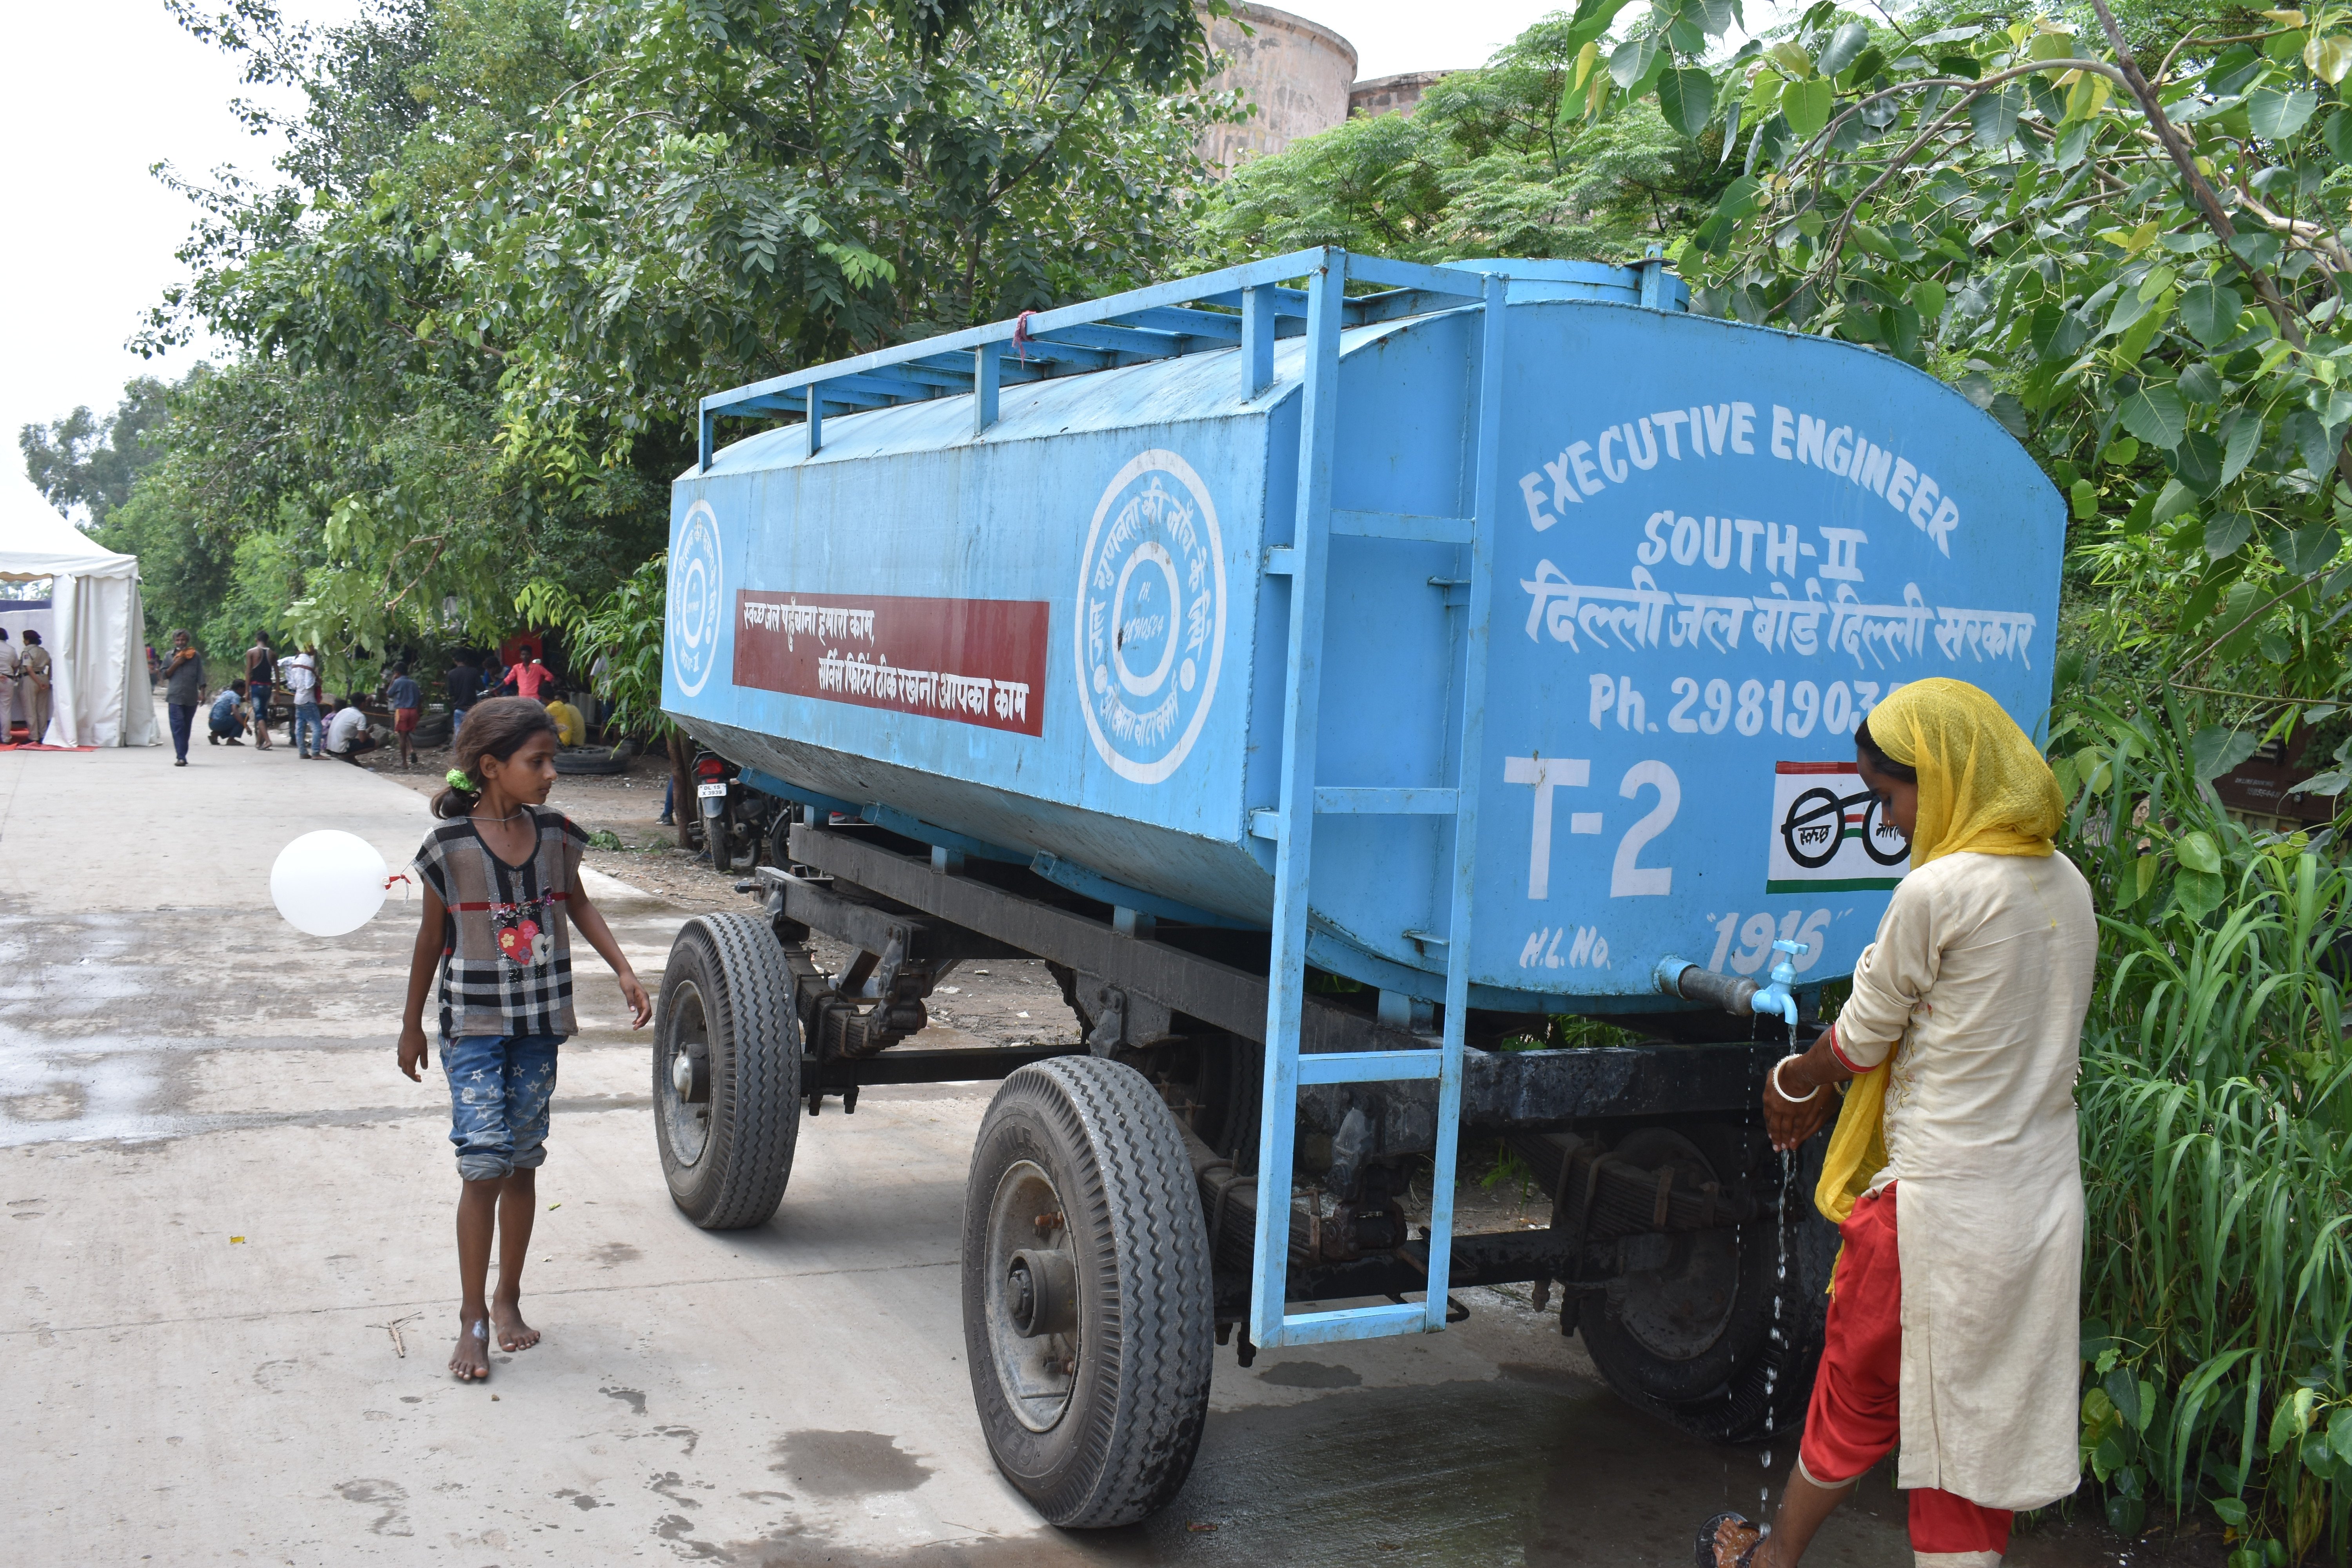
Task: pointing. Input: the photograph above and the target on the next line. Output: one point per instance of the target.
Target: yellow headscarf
(1983, 788)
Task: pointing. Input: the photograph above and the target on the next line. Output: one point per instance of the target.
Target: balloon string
(401, 877)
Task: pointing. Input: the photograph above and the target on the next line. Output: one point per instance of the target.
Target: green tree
(512, 240)
(84, 461)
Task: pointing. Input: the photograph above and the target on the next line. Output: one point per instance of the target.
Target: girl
(502, 880)
(1955, 1332)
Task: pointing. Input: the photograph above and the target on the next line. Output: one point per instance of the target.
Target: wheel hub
(685, 1088)
(1034, 1335)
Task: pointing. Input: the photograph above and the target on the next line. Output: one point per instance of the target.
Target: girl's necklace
(510, 816)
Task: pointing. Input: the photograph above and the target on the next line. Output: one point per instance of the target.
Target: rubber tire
(588, 761)
(738, 965)
(1763, 1392)
(1125, 1442)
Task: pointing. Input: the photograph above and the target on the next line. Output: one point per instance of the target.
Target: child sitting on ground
(501, 877)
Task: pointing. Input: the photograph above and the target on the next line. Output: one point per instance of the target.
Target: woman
(183, 688)
(1956, 1331)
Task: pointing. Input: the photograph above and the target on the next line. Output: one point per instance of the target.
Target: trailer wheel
(1088, 1317)
(1716, 1338)
(727, 1072)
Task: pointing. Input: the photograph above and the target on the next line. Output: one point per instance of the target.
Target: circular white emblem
(1150, 628)
(694, 608)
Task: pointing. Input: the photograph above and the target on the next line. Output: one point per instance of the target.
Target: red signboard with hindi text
(975, 661)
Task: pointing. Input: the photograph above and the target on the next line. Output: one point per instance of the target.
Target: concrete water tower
(1297, 72)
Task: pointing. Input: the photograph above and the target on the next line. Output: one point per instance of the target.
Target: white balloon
(329, 883)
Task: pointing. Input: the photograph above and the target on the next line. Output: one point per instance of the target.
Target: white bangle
(1784, 1094)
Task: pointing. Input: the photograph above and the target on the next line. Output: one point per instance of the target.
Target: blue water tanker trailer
(1333, 685)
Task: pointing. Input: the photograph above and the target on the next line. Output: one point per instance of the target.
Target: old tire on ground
(1080, 1169)
(1719, 1342)
(726, 999)
(587, 761)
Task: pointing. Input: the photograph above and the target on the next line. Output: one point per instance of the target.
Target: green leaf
(2338, 135)
(2307, 550)
(2200, 383)
(1844, 47)
(2127, 1515)
(2200, 893)
(2276, 115)
(2072, 143)
(2198, 462)
(1630, 61)
(2225, 531)
(2154, 414)
(2329, 58)
(1807, 105)
(1994, 116)
(2121, 453)
(2213, 751)
(2084, 496)
(1686, 98)
(2172, 501)
(2231, 1511)
(2339, 1433)
(2210, 311)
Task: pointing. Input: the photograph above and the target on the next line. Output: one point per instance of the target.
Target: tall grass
(2215, 1114)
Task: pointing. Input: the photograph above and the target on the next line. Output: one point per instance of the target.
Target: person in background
(227, 720)
(299, 671)
(407, 697)
(599, 673)
(11, 678)
(183, 688)
(531, 678)
(36, 665)
(260, 676)
(465, 683)
(154, 667)
(347, 732)
(571, 726)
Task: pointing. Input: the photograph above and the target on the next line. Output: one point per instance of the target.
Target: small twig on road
(399, 1343)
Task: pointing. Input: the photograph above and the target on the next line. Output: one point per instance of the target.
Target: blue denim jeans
(183, 720)
(308, 735)
(500, 1086)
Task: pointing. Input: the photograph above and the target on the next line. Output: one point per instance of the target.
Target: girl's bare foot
(470, 1362)
(514, 1335)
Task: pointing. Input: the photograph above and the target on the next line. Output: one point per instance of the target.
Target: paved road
(218, 1192)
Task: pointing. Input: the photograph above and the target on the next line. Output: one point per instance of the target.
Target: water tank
(1714, 548)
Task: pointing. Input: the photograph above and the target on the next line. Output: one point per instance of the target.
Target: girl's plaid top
(506, 954)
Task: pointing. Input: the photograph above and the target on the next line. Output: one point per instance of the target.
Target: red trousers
(1853, 1421)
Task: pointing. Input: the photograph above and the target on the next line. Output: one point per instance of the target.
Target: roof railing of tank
(1245, 307)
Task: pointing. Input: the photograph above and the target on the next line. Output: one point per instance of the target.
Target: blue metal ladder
(1292, 825)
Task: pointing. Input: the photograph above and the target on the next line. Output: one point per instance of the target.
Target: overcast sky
(95, 232)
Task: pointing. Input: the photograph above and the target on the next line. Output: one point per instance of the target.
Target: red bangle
(1841, 1056)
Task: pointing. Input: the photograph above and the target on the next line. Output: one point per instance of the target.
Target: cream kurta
(1982, 969)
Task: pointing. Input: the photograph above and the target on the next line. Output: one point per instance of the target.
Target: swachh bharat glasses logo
(1151, 628)
(694, 599)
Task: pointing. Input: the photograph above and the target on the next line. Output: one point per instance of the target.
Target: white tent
(100, 691)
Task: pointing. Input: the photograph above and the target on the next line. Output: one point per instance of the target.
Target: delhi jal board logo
(1150, 633)
(694, 599)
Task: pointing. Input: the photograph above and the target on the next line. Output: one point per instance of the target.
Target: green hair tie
(460, 782)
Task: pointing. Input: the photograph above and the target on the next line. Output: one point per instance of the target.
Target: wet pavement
(226, 1283)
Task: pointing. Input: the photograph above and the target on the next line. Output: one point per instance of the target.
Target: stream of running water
(1780, 1296)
